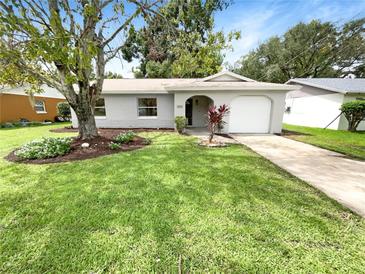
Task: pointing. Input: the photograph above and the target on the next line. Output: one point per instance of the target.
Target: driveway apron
(334, 174)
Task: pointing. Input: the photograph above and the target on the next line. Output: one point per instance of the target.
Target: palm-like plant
(215, 119)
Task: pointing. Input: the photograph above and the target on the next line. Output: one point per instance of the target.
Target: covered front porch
(196, 110)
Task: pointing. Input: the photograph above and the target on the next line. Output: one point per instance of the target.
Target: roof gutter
(215, 88)
(315, 86)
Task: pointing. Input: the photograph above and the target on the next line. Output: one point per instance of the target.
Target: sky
(258, 20)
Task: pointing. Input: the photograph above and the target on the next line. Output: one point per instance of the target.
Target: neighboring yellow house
(15, 104)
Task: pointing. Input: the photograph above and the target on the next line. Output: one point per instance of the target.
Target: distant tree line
(315, 49)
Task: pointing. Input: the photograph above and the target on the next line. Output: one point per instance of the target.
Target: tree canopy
(315, 49)
(354, 112)
(66, 45)
(180, 41)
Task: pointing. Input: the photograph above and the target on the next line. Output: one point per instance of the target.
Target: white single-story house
(317, 103)
(255, 107)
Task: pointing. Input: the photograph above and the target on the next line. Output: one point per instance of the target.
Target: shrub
(45, 148)
(114, 146)
(7, 125)
(354, 112)
(34, 124)
(180, 122)
(64, 111)
(124, 138)
(215, 119)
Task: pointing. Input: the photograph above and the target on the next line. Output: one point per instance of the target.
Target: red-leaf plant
(215, 119)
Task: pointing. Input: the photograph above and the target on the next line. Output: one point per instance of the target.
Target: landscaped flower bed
(53, 150)
(44, 148)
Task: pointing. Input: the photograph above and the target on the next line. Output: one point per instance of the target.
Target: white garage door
(250, 114)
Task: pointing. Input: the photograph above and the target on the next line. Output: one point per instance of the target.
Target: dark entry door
(189, 111)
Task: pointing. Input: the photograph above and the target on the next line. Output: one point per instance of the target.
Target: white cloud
(253, 29)
(335, 13)
(265, 19)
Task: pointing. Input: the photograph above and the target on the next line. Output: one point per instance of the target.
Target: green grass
(213, 210)
(348, 143)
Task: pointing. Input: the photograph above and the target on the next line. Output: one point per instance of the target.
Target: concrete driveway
(340, 178)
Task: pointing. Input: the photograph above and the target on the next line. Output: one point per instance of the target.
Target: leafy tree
(354, 112)
(315, 49)
(63, 44)
(113, 75)
(181, 42)
(205, 59)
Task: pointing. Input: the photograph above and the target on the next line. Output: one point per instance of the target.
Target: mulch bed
(115, 131)
(98, 147)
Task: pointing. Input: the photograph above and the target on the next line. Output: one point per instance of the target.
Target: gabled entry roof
(226, 76)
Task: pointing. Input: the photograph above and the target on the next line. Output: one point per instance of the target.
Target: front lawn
(167, 206)
(348, 143)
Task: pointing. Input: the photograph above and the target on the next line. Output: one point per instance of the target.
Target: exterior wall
(313, 107)
(343, 124)
(122, 112)
(225, 97)
(14, 107)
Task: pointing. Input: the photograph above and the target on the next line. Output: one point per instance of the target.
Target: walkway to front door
(340, 178)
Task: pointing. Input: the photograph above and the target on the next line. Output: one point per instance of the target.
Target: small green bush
(64, 110)
(114, 146)
(20, 123)
(45, 148)
(7, 125)
(124, 138)
(180, 122)
(354, 112)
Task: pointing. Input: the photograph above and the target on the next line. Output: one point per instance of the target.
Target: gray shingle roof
(342, 85)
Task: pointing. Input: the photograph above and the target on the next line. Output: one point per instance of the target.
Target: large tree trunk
(353, 121)
(86, 121)
(351, 126)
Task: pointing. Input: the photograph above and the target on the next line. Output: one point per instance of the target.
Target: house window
(99, 110)
(147, 107)
(39, 106)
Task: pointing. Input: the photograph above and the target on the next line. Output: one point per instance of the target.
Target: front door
(189, 111)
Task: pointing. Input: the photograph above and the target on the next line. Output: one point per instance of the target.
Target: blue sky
(260, 19)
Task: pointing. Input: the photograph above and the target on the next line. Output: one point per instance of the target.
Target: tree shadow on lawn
(286, 132)
(142, 210)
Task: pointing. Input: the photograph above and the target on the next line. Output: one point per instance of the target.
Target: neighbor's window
(147, 107)
(100, 107)
(39, 106)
